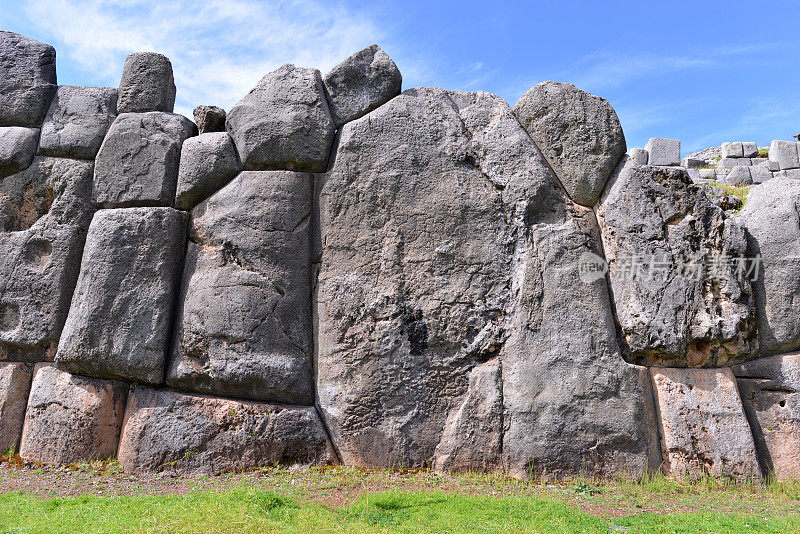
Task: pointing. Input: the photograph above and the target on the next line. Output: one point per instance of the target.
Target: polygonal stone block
(785, 154)
(77, 121)
(27, 80)
(15, 384)
(208, 162)
(663, 152)
(147, 84)
(17, 148)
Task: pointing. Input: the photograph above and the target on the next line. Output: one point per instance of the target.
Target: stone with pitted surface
(77, 121)
(147, 84)
(17, 149)
(27, 79)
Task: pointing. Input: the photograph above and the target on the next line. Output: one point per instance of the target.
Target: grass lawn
(100, 499)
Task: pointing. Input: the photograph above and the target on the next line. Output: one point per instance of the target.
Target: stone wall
(336, 271)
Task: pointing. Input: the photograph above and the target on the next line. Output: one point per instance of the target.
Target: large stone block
(17, 149)
(77, 121)
(244, 313)
(147, 84)
(770, 390)
(578, 133)
(137, 164)
(739, 176)
(45, 212)
(121, 313)
(438, 221)
(284, 122)
(785, 154)
(770, 218)
(208, 162)
(663, 152)
(169, 431)
(27, 80)
(732, 150)
(726, 164)
(367, 79)
(760, 174)
(704, 430)
(638, 156)
(70, 418)
(749, 149)
(15, 384)
(680, 298)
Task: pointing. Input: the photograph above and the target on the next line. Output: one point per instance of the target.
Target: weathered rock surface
(147, 84)
(244, 313)
(749, 149)
(45, 212)
(408, 307)
(785, 153)
(732, 150)
(638, 156)
(137, 165)
(284, 122)
(27, 79)
(770, 390)
(119, 321)
(17, 148)
(663, 152)
(680, 298)
(209, 119)
(77, 121)
(704, 430)
(71, 418)
(208, 162)
(578, 133)
(739, 176)
(771, 218)
(15, 384)
(367, 79)
(169, 431)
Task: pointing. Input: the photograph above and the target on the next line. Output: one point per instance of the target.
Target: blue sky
(702, 72)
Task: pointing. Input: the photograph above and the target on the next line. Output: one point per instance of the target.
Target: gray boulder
(119, 321)
(77, 121)
(244, 312)
(208, 162)
(760, 174)
(770, 391)
(284, 122)
(367, 79)
(137, 164)
(663, 152)
(704, 431)
(71, 419)
(27, 79)
(422, 254)
(17, 148)
(192, 434)
(15, 384)
(680, 298)
(739, 176)
(749, 150)
(770, 218)
(44, 215)
(147, 84)
(578, 133)
(732, 150)
(209, 119)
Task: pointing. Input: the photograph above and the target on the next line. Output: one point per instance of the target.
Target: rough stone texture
(15, 384)
(44, 215)
(732, 150)
(17, 149)
(27, 79)
(70, 418)
(793, 174)
(749, 150)
(169, 431)
(771, 218)
(726, 164)
(138, 162)
(430, 266)
(760, 174)
(770, 390)
(638, 156)
(209, 119)
(659, 230)
(707, 174)
(77, 121)
(284, 122)
(704, 430)
(244, 325)
(663, 152)
(119, 321)
(785, 154)
(147, 84)
(773, 166)
(367, 79)
(739, 176)
(208, 162)
(693, 163)
(578, 133)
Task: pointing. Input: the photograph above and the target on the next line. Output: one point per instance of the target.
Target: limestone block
(17, 149)
(27, 80)
(760, 174)
(785, 154)
(208, 162)
(693, 163)
(749, 150)
(77, 121)
(70, 418)
(730, 163)
(663, 152)
(708, 174)
(147, 84)
(732, 150)
(739, 176)
(15, 384)
(638, 156)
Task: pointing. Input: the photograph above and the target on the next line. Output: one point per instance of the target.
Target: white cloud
(219, 48)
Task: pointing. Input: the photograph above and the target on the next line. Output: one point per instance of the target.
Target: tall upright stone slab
(121, 313)
(15, 384)
(147, 84)
(244, 311)
(45, 212)
(27, 80)
(284, 122)
(578, 133)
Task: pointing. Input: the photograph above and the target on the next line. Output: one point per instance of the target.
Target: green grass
(736, 191)
(763, 152)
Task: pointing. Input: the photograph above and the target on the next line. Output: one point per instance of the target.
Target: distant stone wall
(338, 272)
